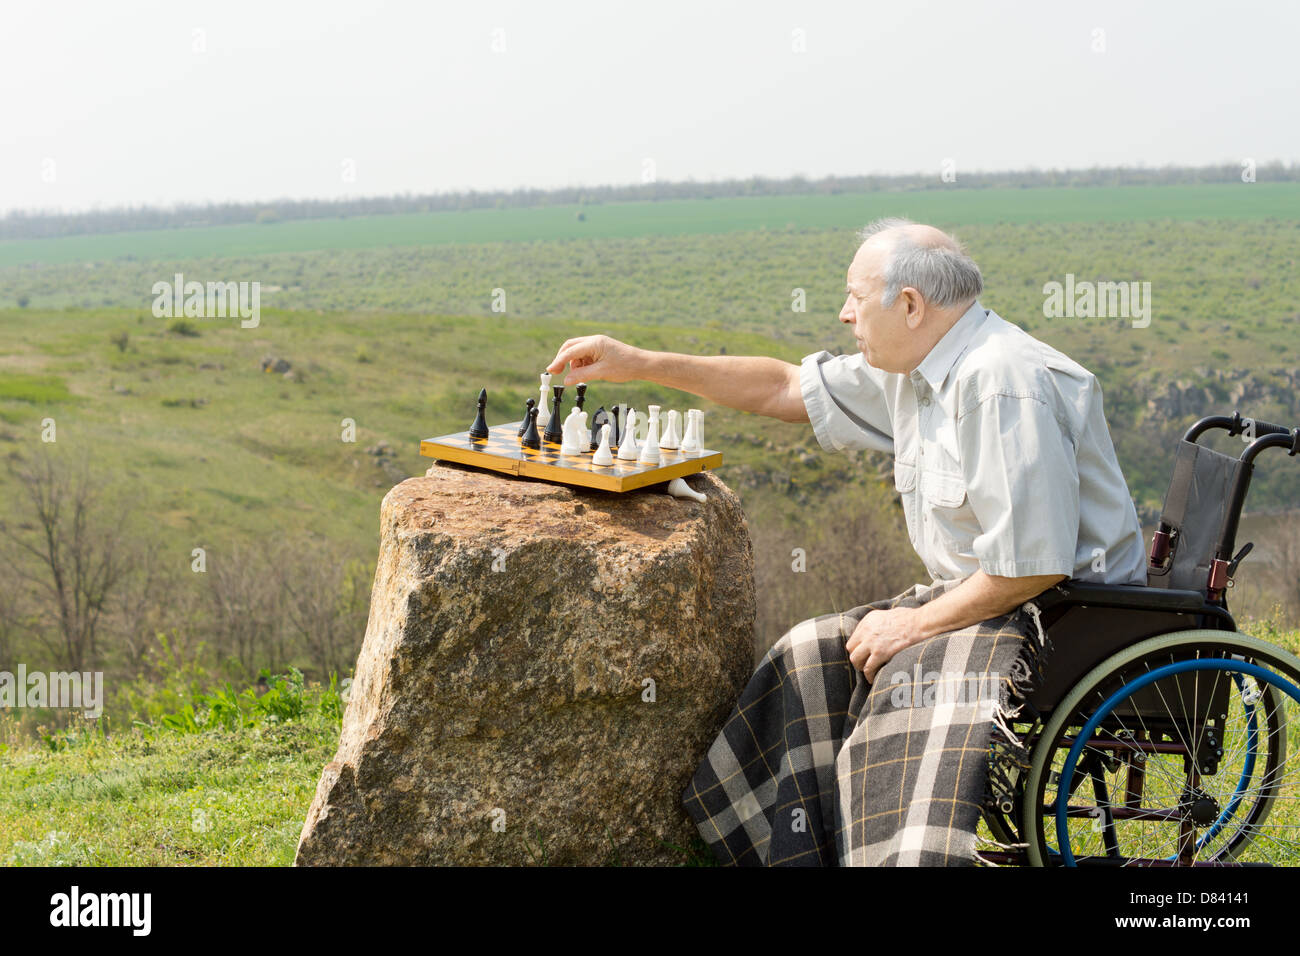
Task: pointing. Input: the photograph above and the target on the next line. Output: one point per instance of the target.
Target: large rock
(543, 668)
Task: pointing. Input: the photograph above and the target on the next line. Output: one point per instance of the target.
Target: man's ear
(915, 305)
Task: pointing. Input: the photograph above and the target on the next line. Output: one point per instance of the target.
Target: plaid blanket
(816, 767)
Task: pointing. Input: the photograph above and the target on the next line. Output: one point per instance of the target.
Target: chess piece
(575, 433)
(544, 413)
(555, 427)
(650, 448)
(672, 439)
(678, 488)
(479, 429)
(582, 395)
(602, 455)
(523, 423)
(691, 445)
(627, 448)
(597, 422)
(615, 425)
(531, 439)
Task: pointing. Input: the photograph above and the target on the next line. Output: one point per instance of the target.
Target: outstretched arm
(757, 384)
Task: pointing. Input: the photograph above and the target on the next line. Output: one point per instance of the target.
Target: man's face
(880, 332)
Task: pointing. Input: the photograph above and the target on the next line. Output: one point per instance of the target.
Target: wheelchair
(1158, 734)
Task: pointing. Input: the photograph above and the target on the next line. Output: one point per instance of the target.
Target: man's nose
(847, 314)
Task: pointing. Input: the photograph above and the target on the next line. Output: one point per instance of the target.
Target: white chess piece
(691, 444)
(544, 413)
(575, 441)
(627, 446)
(672, 438)
(603, 456)
(650, 449)
(699, 427)
(678, 488)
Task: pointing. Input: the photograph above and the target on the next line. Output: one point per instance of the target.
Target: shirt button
(925, 401)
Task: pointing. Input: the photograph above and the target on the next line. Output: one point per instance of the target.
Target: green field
(944, 208)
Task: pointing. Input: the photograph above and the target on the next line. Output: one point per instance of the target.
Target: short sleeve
(846, 402)
(1022, 482)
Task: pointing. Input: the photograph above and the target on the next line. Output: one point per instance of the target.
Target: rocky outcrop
(542, 670)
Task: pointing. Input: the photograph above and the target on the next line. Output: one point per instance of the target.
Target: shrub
(182, 327)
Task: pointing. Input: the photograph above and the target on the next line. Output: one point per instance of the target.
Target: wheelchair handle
(1267, 435)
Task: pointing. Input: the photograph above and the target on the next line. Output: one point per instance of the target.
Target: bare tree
(856, 553)
(1285, 566)
(8, 628)
(244, 616)
(147, 602)
(326, 599)
(64, 551)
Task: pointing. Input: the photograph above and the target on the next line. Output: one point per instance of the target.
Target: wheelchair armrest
(1133, 596)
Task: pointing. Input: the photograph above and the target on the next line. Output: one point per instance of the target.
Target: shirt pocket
(942, 490)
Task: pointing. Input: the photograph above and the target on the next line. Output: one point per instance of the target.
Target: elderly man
(858, 740)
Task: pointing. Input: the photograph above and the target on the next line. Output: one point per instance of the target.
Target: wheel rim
(1194, 802)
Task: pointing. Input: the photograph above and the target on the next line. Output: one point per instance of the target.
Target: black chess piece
(597, 420)
(555, 427)
(479, 429)
(582, 395)
(531, 438)
(615, 413)
(523, 422)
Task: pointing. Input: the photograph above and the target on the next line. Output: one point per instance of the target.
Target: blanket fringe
(1008, 752)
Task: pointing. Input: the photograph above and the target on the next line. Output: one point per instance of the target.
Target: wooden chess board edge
(434, 448)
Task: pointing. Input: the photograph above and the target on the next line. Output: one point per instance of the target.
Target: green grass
(33, 389)
(229, 798)
(956, 206)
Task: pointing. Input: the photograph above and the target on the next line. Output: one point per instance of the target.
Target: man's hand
(880, 635)
(595, 358)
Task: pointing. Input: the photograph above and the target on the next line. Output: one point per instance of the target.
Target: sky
(134, 102)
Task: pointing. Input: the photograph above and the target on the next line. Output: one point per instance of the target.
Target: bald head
(908, 254)
(908, 284)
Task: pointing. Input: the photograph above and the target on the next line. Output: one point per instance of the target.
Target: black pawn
(531, 439)
(598, 420)
(523, 422)
(555, 427)
(479, 429)
(582, 395)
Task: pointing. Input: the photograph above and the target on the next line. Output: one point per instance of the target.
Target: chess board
(501, 451)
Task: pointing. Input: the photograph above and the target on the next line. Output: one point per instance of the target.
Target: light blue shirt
(1001, 452)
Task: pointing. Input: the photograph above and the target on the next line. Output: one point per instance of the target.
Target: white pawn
(603, 456)
(672, 438)
(678, 488)
(650, 450)
(627, 446)
(544, 413)
(575, 434)
(691, 444)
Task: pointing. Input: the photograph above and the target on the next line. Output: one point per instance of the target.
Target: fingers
(561, 358)
(573, 350)
(584, 373)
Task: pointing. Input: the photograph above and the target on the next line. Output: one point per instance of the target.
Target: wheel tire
(1044, 747)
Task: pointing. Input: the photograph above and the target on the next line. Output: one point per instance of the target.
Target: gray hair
(941, 271)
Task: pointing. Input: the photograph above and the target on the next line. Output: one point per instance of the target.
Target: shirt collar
(936, 365)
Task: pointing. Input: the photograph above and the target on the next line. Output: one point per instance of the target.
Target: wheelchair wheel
(1183, 749)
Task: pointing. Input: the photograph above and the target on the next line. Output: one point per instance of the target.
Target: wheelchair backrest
(1199, 514)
